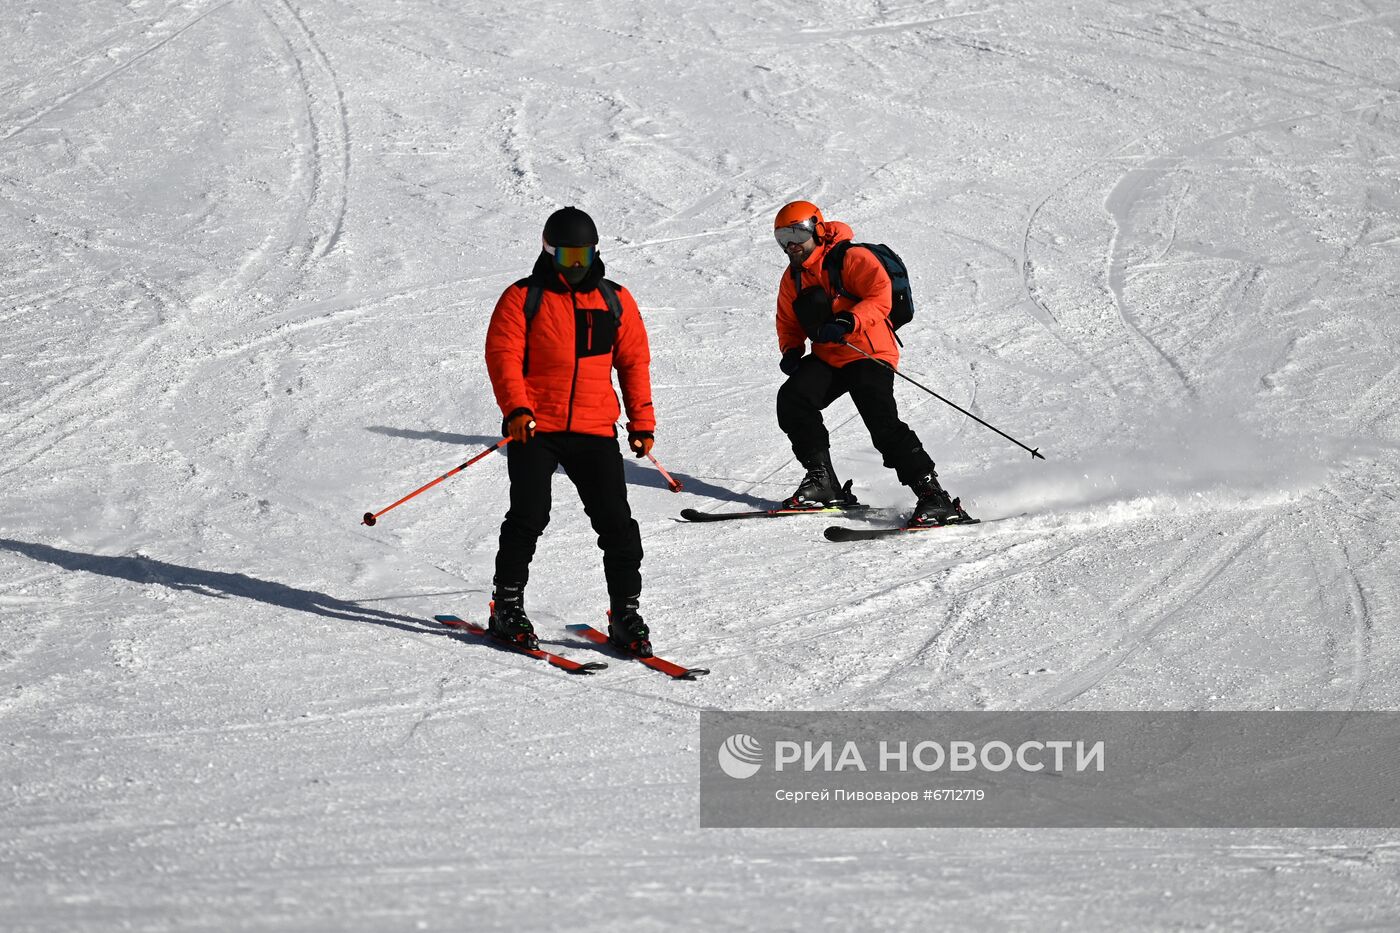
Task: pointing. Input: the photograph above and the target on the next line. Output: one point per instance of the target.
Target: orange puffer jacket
(861, 275)
(562, 368)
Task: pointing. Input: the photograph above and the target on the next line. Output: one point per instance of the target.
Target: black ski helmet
(570, 226)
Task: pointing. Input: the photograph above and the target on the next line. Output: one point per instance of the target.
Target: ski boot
(819, 489)
(627, 631)
(508, 621)
(935, 507)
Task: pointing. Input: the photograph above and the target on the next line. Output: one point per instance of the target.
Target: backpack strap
(609, 290)
(833, 261)
(534, 293)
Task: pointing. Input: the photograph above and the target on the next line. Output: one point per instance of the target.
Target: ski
(691, 515)
(842, 533)
(675, 671)
(563, 663)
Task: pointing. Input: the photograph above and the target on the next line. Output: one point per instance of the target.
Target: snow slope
(248, 249)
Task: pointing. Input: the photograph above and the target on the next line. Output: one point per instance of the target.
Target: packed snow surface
(248, 249)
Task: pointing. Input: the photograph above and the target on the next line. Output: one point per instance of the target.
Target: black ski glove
(836, 329)
(640, 442)
(790, 361)
(519, 425)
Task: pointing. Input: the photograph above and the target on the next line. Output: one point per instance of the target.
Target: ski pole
(372, 517)
(675, 484)
(1035, 453)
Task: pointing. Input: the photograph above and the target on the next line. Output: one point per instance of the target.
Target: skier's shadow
(638, 473)
(466, 440)
(140, 569)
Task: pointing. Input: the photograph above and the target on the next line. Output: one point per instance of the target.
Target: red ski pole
(372, 517)
(671, 481)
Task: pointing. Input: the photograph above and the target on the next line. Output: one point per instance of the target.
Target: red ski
(563, 663)
(675, 671)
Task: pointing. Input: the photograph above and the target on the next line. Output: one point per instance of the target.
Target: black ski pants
(816, 385)
(594, 465)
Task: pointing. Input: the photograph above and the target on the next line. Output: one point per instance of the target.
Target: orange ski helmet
(797, 212)
(795, 218)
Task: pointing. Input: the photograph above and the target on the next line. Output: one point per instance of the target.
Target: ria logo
(740, 756)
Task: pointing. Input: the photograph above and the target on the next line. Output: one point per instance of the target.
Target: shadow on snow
(140, 569)
(467, 440)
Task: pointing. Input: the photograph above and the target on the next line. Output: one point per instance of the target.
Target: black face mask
(574, 274)
(548, 274)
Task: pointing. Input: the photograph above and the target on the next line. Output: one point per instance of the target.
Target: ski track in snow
(249, 249)
(37, 112)
(323, 176)
(1179, 585)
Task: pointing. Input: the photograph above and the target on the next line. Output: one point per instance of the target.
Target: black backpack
(901, 293)
(535, 292)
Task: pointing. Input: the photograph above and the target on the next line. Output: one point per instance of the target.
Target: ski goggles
(566, 257)
(794, 233)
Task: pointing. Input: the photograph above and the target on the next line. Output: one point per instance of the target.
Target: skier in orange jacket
(554, 340)
(856, 316)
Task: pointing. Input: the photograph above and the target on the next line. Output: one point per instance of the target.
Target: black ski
(843, 533)
(691, 515)
(846, 533)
